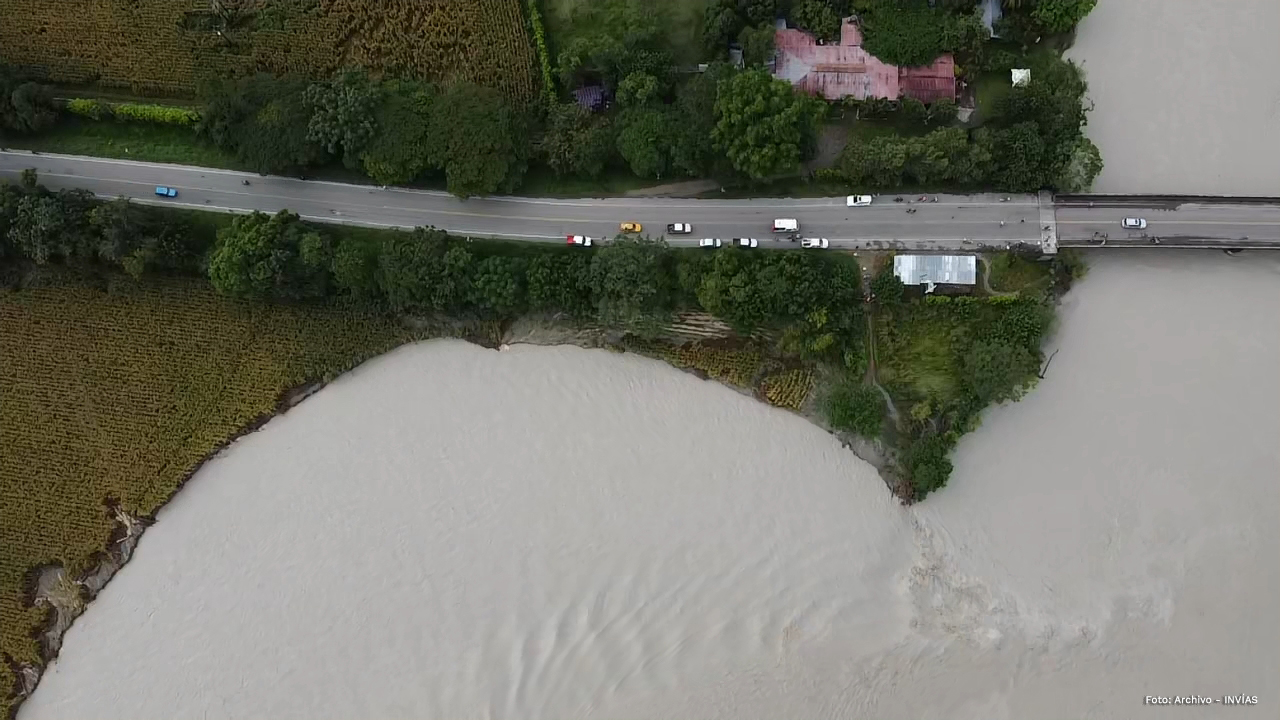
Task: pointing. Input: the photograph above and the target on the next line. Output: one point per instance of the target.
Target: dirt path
(689, 188)
(986, 278)
(871, 375)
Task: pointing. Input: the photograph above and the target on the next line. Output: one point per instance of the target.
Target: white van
(786, 225)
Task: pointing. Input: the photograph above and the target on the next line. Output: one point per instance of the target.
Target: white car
(679, 228)
(858, 200)
(786, 225)
(1134, 224)
(820, 243)
(582, 240)
(746, 242)
(709, 242)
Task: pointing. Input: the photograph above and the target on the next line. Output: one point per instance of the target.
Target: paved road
(954, 222)
(1182, 225)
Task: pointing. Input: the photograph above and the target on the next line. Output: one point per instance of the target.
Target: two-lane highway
(954, 222)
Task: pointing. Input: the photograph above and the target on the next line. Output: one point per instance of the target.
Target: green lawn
(135, 141)
(1010, 273)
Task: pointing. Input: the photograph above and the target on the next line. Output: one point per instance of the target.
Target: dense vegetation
(403, 123)
(172, 46)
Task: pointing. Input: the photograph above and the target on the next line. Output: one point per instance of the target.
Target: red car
(582, 240)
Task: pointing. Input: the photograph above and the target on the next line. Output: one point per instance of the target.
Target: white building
(932, 270)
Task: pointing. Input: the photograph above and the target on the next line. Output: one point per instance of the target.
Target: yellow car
(630, 227)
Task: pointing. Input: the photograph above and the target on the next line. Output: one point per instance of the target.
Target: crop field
(737, 367)
(166, 47)
(788, 389)
(120, 394)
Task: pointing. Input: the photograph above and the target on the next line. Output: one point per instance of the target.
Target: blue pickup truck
(166, 191)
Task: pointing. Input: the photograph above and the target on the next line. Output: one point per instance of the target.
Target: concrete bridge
(1173, 221)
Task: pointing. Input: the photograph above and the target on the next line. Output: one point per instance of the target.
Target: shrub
(88, 107)
(544, 57)
(161, 114)
(857, 408)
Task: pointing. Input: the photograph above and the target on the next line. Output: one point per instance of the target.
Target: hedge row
(540, 43)
(132, 112)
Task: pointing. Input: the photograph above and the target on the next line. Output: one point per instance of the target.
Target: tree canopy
(763, 125)
(271, 257)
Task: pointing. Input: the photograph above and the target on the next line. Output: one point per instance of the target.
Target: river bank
(639, 528)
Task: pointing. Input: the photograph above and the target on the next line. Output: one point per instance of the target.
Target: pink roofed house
(838, 71)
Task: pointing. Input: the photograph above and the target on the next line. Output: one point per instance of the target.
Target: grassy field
(119, 394)
(165, 47)
(1010, 273)
(914, 350)
(132, 140)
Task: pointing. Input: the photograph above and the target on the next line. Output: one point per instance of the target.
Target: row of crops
(120, 394)
(745, 368)
(169, 46)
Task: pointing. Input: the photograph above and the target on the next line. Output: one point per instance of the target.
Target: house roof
(936, 269)
(590, 97)
(844, 69)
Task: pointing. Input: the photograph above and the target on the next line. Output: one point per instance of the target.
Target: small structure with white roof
(934, 270)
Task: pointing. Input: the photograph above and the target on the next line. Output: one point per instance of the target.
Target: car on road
(163, 191)
(582, 240)
(746, 242)
(820, 243)
(787, 225)
(709, 242)
(679, 228)
(1134, 224)
(858, 200)
(631, 227)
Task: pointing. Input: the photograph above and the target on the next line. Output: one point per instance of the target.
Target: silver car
(746, 242)
(709, 242)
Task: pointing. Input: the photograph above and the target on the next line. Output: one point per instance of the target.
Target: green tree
(878, 162)
(342, 114)
(27, 107)
(37, 229)
(996, 371)
(721, 24)
(424, 271)
(1018, 153)
(760, 12)
(118, 228)
(763, 124)
(263, 120)
(942, 111)
(481, 140)
(693, 151)
(273, 257)
(403, 146)
(757, 44)
(644, 141)
(638, 90)
(886, 287)
(499, 285)
(1085, 165)
(355, 268)
(576, 141)
(927, 464)
(914, 111)
(629, 282)
(1060, 16)
(855, 407)
(816, 17)
(560, 283)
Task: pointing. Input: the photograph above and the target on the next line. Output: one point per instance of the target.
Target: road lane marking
(459, 213)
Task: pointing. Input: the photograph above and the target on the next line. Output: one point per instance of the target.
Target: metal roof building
(933, 270)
